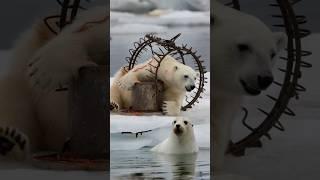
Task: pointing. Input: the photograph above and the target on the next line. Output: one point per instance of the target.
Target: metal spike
(300, 88)
(271, 97)
(289, 112)
(263, 111)
(277, 83)
(279, 126)
(267, 135)
(305, 64)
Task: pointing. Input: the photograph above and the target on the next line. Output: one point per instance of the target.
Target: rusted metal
(65, 17)
(290, 88)
(159, 48)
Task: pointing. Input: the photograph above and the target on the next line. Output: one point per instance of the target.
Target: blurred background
(16, 16)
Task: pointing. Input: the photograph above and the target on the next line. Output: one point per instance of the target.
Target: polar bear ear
(281, 40)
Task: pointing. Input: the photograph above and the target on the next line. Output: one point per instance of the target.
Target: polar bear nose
(178, 126)
(264, 81)
(192, 87)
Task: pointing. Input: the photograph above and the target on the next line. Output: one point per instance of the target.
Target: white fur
(232, 28)
(41, 62)
(171, 73)
(184, 143)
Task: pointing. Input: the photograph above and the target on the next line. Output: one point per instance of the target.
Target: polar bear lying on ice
(176, 77)
(33, 115)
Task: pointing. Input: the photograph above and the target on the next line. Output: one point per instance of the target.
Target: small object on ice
(137, 133)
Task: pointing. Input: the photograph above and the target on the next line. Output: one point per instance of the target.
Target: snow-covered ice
(141, 6)
(128, 23)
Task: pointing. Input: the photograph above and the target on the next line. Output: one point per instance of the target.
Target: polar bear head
(182, 126)
(177, 75)
(244, 52)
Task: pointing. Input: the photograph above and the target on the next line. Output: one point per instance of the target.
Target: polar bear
(243, 51)
(181, 139)
(33, 114)
(176, 77)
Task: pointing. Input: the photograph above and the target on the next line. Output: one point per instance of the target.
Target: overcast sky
(16, 15)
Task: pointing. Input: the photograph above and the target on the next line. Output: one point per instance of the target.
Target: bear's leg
(171, 108)
(13, 143)
(115, 100)
(18, 112)
(224, 113)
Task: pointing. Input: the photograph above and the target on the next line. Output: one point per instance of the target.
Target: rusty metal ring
(169, 47)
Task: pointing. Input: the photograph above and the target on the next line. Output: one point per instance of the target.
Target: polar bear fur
(42, 62)
(181, 139)
(176, 77)
(244, 51)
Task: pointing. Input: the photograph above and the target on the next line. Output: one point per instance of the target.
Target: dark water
(143, 164)
(197, 37)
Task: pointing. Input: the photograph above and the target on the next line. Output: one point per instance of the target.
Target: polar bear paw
(13, 142)
(170, 108)
(114, 106)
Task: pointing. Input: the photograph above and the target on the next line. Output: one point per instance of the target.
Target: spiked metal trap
(158, 48)
(289, 86)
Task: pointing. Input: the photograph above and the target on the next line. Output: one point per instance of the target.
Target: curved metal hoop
(168, 47)
(289, 86)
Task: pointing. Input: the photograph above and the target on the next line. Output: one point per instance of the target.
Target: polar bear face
(182, 126)
(255, 58)
(244, 51)
(177, 76)
(184, 77)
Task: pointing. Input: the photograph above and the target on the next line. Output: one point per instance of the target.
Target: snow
(140, 6)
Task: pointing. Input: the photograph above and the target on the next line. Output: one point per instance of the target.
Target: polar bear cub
(176, 77)
(181, 139)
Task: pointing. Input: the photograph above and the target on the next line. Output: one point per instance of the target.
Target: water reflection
(142, 164)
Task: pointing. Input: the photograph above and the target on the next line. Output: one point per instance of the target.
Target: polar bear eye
(174, 122)
(186, 76)
(243, 47)
(273, 54)
(185, 122)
